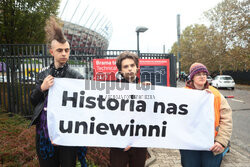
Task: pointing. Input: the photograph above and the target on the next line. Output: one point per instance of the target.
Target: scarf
(60, 72)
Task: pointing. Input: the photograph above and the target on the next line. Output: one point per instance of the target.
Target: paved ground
(171, 158)
(237, 157)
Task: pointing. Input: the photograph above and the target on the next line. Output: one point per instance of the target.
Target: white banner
(110, 114)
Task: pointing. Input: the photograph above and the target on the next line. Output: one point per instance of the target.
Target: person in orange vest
(223, 122)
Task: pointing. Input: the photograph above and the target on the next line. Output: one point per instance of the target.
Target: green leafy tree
(23, 21)
(224, 45)
(230, 19)
(199, 43)
(218, 58)
(193, 46)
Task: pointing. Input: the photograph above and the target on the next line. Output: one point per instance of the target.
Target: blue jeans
(193, 158)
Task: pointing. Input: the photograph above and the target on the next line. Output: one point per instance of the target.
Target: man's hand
(47, 83)
(217, 147)
(127, 148)
(146, 83)
(53, 143)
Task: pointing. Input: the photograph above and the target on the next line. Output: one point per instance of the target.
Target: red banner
(153, 70)
(104, 69)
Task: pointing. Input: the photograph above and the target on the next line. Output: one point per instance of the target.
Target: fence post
(173, 81)
(45, 54)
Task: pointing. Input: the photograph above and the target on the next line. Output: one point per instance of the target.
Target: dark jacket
(122, 79)
(142, 149)
(37, 97)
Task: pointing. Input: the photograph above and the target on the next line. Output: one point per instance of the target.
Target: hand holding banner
(82, 113)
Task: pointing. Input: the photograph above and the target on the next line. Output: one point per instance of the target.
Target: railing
(20, 64)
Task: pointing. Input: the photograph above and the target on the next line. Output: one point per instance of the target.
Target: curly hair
(54, 31)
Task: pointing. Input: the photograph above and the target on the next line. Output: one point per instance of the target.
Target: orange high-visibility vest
(217, 102)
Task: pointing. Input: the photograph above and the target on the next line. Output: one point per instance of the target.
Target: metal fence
(20, 64)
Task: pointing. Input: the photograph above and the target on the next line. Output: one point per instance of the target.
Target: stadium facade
(80, 36)
(84, 26)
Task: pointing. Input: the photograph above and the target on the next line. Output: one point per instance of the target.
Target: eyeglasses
(201, 74)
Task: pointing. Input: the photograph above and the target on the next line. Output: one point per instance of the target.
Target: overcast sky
(159, 16)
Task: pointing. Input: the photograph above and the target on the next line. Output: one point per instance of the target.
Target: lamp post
(138, 30)
(178, 43)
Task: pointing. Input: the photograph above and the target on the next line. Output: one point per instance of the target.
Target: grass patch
(17, 144)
